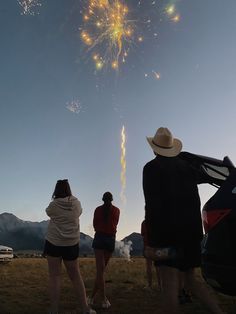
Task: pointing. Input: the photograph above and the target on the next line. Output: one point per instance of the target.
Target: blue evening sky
(44, 66)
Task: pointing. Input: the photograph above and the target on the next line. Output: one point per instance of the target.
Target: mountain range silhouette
(24, 235)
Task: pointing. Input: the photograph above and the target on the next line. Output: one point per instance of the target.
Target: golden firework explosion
(107, 30)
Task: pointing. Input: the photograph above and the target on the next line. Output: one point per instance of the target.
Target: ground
(23, 289)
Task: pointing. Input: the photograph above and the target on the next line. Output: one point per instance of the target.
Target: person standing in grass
(173, 220)
(105, 221)
(149, 262)
(62, 244)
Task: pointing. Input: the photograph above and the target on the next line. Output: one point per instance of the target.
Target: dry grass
(23, 289)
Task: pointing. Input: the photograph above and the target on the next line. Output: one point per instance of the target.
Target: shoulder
(98, 209)
(74, 200)
(115, 209)
(152, 167)
(152, 163)
(52, 204)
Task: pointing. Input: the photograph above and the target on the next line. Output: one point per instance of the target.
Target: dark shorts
(103, 241)
(67, 253)
(189, 256)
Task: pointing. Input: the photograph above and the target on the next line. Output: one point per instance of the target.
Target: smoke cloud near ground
(123, 249)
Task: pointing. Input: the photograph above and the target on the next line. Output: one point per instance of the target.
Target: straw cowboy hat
(164, 144)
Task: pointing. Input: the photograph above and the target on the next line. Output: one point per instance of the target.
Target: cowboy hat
(164, 144)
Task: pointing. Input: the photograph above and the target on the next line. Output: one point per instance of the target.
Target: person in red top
(105, 221)
(149, 262)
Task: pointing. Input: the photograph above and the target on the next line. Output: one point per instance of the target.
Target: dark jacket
(172, 202)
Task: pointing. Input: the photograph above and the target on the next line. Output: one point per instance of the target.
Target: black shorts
(189, 256)
(67, 253)
(103, 241)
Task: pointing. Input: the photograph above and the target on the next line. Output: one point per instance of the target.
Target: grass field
(23, 289)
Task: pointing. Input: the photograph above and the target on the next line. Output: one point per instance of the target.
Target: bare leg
(73, 271)
(100, 268)
(54, 268)
(170, 288)
(107, 256)
(102, 259)
(159, 280)
(202, 292)
(149, 271)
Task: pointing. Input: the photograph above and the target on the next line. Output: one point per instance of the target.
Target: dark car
(219, 220)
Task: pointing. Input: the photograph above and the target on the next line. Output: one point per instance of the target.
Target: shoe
(90, 301)
(106, 304)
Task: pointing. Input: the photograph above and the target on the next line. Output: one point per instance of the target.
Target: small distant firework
(74, 106)
(123, 165)
(108, 32)
(171, 12)
(157, 75)
(29, 6)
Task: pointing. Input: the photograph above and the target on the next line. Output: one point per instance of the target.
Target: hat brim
(167, 152)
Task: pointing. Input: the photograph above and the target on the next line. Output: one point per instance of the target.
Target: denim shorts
(189, 256)
(67, 253)
(104, 241)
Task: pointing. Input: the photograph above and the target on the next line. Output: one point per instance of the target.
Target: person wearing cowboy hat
(173, 219)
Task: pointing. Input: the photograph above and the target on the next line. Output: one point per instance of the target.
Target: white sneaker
(106, 304)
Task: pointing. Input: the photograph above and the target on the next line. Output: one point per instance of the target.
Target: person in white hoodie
(62, 244)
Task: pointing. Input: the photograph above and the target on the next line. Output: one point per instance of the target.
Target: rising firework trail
(123, 166)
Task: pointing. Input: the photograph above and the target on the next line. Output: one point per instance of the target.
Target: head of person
(164, 144)
(62, 189)
(107, 197)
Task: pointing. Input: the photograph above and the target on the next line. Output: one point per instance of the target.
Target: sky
(61, 116)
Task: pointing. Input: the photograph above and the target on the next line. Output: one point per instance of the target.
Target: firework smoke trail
(123, 165)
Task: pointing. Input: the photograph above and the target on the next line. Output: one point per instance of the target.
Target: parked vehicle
(219, 219)
(6, 253)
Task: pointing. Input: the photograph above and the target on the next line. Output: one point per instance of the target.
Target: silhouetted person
(105, 221)
(62, 244)
(173, 219)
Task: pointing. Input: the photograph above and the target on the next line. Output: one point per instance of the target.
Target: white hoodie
(63, 228)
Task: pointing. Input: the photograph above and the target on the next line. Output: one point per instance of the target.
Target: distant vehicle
(6, 253)
(219, 219)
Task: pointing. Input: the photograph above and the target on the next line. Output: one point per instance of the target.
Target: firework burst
(108, 32)
(74, 106)
(29, 6)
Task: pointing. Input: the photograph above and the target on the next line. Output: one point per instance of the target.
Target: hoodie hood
(67, 203)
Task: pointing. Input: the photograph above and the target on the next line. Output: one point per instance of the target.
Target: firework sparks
(108, 30)
(157, 75)
(74, 106)
(123, 166)
(172, 14)
(28, 6)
